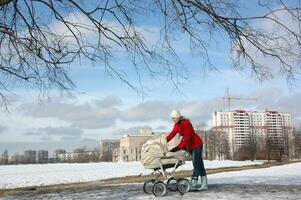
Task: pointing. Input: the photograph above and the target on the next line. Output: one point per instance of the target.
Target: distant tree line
(270, 148)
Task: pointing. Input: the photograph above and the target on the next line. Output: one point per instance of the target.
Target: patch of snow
(14, 176)
(289, 174)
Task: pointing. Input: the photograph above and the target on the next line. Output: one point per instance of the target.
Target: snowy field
(14, 176)
(289, 174)
(273, 183)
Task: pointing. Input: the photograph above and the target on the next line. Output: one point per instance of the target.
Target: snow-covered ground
(14, 176)
(289, 174)
(273, 183)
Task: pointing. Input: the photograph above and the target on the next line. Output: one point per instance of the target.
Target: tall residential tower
(241, 125)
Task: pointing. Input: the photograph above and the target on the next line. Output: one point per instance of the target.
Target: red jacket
(190, 139)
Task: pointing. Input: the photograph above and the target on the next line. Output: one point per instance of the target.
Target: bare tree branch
(40, 39)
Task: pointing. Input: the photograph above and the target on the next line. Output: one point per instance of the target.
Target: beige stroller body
(155, 156)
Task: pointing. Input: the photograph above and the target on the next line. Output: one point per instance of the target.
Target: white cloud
(56, 133)
(98, 114)
(161, 128)
(146, 111)
(104, 113)
(109, 101)
(2, 129)
(86, 29)
(110, 117)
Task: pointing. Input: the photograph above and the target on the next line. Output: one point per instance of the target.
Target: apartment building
(241, 126)
(30, 156)
(42, 156)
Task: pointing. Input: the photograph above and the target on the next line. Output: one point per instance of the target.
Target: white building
(130, 145)
(241, 125)
(73, 156)
(68, 156)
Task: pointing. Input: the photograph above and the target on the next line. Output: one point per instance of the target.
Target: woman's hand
(175, 149)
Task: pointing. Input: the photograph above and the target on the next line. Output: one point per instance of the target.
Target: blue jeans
(198, 164)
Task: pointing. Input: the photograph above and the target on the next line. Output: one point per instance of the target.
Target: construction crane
(231, 98)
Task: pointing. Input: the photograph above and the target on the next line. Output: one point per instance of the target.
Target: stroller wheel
(172, 184)
(183, 186)
(148, 186)
(159, 189)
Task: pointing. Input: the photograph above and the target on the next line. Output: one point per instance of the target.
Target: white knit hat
(175, 114)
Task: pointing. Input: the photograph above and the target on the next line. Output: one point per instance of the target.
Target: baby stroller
(155, 156)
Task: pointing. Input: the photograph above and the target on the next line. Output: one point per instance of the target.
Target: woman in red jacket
(192, 143)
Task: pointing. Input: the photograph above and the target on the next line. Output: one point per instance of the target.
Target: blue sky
(104, 107)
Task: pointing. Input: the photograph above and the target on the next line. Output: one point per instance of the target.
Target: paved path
(134, 191)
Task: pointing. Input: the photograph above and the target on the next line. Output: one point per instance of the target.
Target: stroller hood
(155, 152)
(152, 150)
